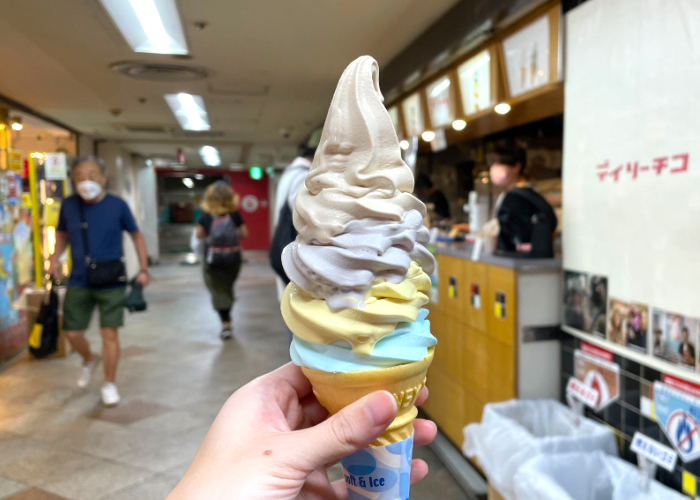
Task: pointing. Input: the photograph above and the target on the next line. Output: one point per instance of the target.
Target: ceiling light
(16, 123)
(459, 124)
(189, 110)
(199, 177)
(502, 108)
(428, 135)
(210, 156)
(188, 182)
(404, 144)
(151, 26)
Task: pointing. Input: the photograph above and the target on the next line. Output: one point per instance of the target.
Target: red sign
(596, 351)
(673, 163)
(682, 385)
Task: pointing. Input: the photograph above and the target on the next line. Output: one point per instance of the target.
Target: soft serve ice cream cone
(358, 278)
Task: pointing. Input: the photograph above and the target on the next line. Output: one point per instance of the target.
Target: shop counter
(497, 324)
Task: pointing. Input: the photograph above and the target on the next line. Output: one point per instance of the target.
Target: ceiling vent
(159, 72)
(143, 128)
(198, 134)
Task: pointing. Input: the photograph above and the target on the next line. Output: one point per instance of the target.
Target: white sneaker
(86, 372)
(226, 332)
(110, 394)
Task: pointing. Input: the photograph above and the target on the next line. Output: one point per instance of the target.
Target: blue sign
(678, 415)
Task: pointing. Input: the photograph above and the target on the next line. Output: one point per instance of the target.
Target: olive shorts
(80, 302)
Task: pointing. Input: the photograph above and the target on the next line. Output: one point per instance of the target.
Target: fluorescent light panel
(189, 110)
(150, 26)
(210, 156)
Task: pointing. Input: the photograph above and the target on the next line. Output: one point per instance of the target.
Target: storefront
(33, 181)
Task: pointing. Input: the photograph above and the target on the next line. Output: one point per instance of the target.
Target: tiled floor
(57, 442)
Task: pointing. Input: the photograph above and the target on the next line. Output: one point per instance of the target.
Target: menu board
(394, 115)
(527, 57)
(475, 83)
(413, 115)
(440, 103)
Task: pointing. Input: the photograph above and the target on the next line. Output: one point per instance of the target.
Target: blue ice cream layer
(408, 343)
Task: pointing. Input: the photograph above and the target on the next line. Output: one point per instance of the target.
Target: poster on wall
(439, 102)
(413, 115)
(475, 83)
(675, 338)
(677, 413)
(585, 302)
(527, 57)
(55, 167)
(628, 324)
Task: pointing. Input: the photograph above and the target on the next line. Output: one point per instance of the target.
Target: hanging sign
(584, 393)
(678, 414)
(55, 167)
(413, 115)
(599, 374)
(394, 115)
(439, 102)
(475, 83)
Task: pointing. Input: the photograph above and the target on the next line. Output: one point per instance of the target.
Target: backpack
(222, 242)
(285, 233)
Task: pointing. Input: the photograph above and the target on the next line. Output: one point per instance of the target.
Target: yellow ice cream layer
(386, 305)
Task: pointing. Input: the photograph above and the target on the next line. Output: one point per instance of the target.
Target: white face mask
(89, 190)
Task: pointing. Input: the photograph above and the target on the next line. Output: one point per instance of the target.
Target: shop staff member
(524, 222)
(92, 223)
(428, 193)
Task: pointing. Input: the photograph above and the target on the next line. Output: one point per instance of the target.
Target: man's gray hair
(84, 159)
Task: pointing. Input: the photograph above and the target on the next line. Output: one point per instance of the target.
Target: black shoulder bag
(104, 273)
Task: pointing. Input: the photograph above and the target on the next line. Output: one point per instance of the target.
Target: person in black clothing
(428, 193)
(219, 202)
(526, 222)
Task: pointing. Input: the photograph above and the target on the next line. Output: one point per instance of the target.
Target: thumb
(351, 429)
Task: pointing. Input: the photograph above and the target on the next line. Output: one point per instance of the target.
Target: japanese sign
(678, 414)
(599, 374)
(670, 164)
(15, 162)
(413, 115)
(55, 167)
(475, 83)
(584, 393)
(439, 102)
(661, 455)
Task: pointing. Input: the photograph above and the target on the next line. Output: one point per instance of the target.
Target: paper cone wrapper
(335, 391)
(379, 472)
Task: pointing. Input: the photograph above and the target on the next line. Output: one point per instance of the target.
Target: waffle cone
(337, 390)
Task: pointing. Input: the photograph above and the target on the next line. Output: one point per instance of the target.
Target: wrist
(143, 271)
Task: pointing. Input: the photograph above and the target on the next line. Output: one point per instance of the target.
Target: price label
(587, 395)
(661, 455)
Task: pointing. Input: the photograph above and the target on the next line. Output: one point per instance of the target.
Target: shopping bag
(585, 476)
(135, 301)
(513, 432)
(43, 338)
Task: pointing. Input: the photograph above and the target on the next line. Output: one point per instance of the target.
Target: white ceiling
(272, 63)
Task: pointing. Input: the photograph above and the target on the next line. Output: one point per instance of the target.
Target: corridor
(58, 442)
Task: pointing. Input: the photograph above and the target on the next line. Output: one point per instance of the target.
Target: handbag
(43, 339)
(100, 273)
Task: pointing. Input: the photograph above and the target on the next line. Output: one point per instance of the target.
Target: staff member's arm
(61, 244)
(142, 278)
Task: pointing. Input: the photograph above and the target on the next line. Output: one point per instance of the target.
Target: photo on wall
(675, 338)
(585, 302)
(628, 324)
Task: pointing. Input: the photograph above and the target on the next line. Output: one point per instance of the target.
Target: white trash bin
(513, 432)
(585, 476)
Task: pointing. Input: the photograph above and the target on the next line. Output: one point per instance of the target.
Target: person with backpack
(221, 227)
(524, 222)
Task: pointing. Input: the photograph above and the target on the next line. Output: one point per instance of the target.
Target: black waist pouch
(105, 273)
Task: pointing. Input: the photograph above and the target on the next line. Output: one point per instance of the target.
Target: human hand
(53, 269)
(143, 278)
(272, 440)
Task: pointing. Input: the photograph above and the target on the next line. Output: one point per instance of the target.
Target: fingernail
(381, 408)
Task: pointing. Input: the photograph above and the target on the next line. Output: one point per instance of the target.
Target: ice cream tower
(358, 278)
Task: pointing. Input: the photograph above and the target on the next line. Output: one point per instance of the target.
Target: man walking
(92, 223)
